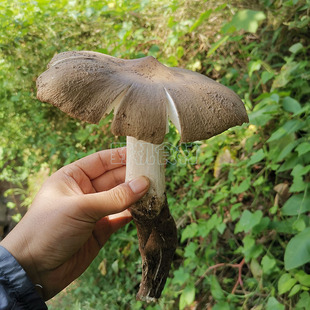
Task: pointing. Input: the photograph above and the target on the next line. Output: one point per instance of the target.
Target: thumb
(115, 200)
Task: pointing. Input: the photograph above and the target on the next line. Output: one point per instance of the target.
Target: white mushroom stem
(156, 228)
(147, 159)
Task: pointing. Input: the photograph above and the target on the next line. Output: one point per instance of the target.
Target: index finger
(96, 164)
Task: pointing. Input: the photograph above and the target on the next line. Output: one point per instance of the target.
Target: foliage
(240, 199)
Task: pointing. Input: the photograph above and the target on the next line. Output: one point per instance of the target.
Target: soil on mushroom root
(157, 244)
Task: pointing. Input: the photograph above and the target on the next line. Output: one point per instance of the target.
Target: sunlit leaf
(187, 296)
(203, 16)
(285, 283)
(247, 20)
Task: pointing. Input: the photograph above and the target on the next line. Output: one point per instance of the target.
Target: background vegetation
(241, 201)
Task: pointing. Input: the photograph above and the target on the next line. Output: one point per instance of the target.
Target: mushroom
(144, 95)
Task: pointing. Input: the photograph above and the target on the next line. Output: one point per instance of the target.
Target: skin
(72, 217)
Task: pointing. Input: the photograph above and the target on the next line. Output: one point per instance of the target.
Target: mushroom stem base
(157, 245)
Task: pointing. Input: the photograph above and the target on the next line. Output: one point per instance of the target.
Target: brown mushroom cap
(143, 93)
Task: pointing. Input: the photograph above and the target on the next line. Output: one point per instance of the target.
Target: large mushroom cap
(143, 93)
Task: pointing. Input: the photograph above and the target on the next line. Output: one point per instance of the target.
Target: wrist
(18, 248)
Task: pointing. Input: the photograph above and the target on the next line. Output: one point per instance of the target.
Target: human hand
(72, 217)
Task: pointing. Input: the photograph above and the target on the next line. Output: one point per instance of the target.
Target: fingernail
(139, 184)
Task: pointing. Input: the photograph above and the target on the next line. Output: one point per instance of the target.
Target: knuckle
(119, 196)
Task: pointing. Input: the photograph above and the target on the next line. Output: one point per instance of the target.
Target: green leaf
(216, 45)
(11, 205)
(216, 289)
(234, 212)
(254, 66)
(302, 277)
(222, 305)
(299, 225)
(256, 157)
(187, 296)
(295, 48)
(269, 265)
(250, 248)
(244, 186)
(221, 228)
(304, 301)
(297, 204)
(248, 220)
(115, 266)
(286, 150)
(285, 283)
(190, 250)
(294, 290)
(256, 269)
(300, 170)
(16, 217)
(247, 20)
(263, 111)
(190, 231)
(203, 16)
(288, 128)
(298, 184)
(291, 105)
(290, 163)
(266, 76)
(297, 252)
(286, 74)
(180, 276)
(303, 148)
(153, 51)
(273, 304)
